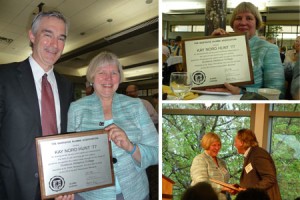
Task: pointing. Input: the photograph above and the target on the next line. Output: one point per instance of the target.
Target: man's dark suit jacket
(20, 124)
(263, 174)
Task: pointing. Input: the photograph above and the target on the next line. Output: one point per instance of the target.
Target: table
(218, 97)
(207, 97)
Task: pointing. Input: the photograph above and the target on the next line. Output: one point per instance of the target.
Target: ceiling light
(4, 40)
(260, 4)
(182, 5)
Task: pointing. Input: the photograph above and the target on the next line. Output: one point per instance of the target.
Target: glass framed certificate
(214, 60)
(74, 162)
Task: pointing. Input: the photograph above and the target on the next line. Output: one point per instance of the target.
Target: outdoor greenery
(182, 133)
(273, 31)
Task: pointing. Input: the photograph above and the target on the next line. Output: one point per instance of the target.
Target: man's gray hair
(37, 19)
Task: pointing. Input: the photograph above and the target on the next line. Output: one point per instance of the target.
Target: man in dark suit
(20, 107)
(259, 170)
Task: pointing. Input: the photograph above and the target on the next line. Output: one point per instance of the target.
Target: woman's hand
(228, 88)
(119, 137)
(65, 197)
(219, 31)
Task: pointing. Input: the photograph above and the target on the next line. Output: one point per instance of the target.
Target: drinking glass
(180, 83)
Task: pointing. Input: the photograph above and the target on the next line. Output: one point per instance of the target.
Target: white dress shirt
(38, 73)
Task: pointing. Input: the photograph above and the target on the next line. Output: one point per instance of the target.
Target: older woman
(259, 170)
(267, 67)
(207, 165)
(131, 130)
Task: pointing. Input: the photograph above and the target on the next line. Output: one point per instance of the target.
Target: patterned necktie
(48, 108)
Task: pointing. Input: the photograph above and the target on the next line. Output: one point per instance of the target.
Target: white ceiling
(88, 24)
(189, 6)
(193, 10)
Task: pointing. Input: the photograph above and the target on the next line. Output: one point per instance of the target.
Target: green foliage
(273, 31)
(286, 155)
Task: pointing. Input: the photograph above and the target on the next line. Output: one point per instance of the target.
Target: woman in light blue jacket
(132, 133)
(208, 166)
(268, 70)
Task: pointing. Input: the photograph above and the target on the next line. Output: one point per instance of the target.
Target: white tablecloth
(172, 60)
(218, 97)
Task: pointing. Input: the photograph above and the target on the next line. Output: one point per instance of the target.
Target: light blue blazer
(204, 168)
(130, 115)
(268, 70)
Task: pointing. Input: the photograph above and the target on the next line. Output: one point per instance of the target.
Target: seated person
(267, 67)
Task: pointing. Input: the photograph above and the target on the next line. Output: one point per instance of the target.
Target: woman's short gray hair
(247, 7)
(103, 59)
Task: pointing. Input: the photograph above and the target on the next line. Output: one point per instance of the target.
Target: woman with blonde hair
(133, 136)
(207, 165)
(267, 68)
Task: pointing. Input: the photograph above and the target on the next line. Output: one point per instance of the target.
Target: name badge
(248, 168)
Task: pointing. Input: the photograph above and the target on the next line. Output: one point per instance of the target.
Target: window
(181, 28)
(285, 148)
(285, 35)
(289, 29)
(193, 28)
(198, 28)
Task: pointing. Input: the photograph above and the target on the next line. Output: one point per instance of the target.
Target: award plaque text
(74, 162)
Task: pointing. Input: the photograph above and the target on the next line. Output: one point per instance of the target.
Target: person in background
(200, 191)
(177, 49)
(267, 67)
(259, 169)
(282, 53)
(155, 98)
(207, 166)
(21, 109)
(133, 91)
(133, 137)
(178, 52)
(295, 84)
(171, 45)
(289, 64)
(291, 55)
(166, 51)
(88, 89)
